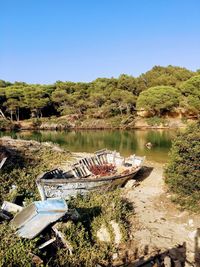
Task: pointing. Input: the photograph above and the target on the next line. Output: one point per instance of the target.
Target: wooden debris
(2, 162)
(4, 215)
(11, 207)
(36, 259)
(45, 244)
(62, 238)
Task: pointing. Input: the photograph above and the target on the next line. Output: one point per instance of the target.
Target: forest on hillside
(159, 91)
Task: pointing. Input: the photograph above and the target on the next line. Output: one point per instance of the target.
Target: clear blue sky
(42, 41)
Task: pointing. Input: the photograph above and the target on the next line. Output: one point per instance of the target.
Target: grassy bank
(27, 159)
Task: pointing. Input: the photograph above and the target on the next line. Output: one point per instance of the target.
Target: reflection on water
(127, 142)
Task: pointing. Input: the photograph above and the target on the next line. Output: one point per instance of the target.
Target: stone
(167, 261)
(103, 234)
(192, 235)
(177, 263)
(115, 256)
(191, 222)
(130, 184)
(117, 232)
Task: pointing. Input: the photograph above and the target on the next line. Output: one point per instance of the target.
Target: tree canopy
(191, 94)
(159, 100)
(157, 91)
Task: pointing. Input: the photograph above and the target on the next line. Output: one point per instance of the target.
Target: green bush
(156, 121)
(191, 94)
(8, 125)
(95, 209)
(158, 100)
(15, 251)
(182, 173)
(36, 123)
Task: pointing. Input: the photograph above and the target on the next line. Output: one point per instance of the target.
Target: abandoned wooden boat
(103, 170)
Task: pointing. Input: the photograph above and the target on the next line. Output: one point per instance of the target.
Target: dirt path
(157, 223)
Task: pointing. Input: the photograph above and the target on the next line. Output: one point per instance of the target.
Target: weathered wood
(2, 162)
(47, 243)
(62, 238)
(11, 207)
(84, 180)
(5, 216)
(2, 114)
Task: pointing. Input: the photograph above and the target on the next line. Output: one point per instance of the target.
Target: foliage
(168, 76)
(36, 123)
(191, 94)
(158, 100)
(183, 172)
(25, 162)
(13, 250)
(95, 209)
(4, 124)
(23, 166)
(156, 121)
(101, 98)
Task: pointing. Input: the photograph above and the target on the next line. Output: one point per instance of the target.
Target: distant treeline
(157, 92)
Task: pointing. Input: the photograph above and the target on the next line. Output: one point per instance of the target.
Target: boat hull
(66, 188)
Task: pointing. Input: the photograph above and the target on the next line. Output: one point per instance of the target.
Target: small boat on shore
(104, 170)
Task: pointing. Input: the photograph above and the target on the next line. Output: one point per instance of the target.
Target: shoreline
(50, 128)
(116, 123)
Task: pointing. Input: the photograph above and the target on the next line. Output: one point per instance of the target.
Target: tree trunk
(120, 108)
(2, 114)
(17, 114)
(11, 115)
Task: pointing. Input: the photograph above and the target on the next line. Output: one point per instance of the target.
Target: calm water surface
(127, 142)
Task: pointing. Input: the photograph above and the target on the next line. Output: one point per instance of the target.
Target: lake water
(126, 142)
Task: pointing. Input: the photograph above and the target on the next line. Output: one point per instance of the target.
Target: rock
(117, 232)
(103, 234)
(177, 263)
(177, 254)
(130, 184)
(167, 261)
(191, 222)
(192, 235)
(115, 256)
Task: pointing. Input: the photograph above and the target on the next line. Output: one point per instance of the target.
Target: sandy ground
(157, 223)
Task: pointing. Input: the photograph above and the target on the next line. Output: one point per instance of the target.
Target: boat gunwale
(86, 180)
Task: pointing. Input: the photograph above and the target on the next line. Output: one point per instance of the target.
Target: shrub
(36, 123)
(182, 172)
(95, 209)
(15, 251)
(8, 125)
(156, 121)
(158, 100)
(191, 94)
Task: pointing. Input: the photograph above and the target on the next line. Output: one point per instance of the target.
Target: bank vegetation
(162, 92)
